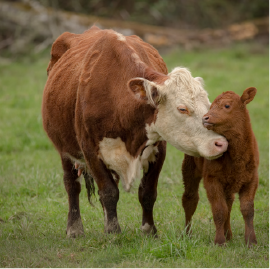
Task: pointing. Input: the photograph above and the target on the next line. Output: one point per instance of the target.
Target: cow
(109, 106)
(235, 172)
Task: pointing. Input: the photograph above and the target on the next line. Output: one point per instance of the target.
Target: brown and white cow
(109, 106)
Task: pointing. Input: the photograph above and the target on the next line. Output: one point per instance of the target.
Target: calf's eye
(227, 106)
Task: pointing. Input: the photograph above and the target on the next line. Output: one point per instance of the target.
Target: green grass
(33, 201)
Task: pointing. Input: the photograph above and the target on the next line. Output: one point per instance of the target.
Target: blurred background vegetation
(32, 25)
(180, 13)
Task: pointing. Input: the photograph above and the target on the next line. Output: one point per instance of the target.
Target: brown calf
(235, 172)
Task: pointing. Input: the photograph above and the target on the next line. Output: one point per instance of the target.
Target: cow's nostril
(217, 144)
(206, 118)
(221, 145)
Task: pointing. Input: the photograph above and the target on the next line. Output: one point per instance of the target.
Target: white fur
(183, 131)
(136, 58)
(120, 37)
(146, 228)
(148, 155)
(114, 154)
(79, 179)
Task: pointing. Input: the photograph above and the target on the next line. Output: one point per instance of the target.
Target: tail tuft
(90, 186)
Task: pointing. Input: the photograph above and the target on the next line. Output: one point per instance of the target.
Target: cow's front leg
(107, 190)
(191, 180)
(73, 188)
(109, 196)
(148, 190)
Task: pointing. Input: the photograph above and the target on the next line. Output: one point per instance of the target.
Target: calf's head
(180, 102)
(228, 111)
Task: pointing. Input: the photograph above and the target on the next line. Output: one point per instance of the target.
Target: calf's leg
(73, 188)
(148, 190)
(246, 196)
(219, 207)
(227, 224)
(191, 180)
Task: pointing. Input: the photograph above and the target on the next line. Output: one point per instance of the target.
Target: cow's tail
(90, 187)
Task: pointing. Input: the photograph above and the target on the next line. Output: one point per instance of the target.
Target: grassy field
(33, 201)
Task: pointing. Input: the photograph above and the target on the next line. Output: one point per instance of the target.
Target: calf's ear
(145, 90)
(248, 95)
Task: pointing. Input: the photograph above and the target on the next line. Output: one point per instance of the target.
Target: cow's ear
(248, 95)
(145, 90)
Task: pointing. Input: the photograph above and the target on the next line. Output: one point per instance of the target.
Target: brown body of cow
(235, 172)
(109, 106)
(71, 118)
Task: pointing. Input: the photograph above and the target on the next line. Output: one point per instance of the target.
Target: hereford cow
(235, 172)
(108, 107)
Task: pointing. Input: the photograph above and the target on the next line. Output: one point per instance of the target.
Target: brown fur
(235, 172)
(86, 98)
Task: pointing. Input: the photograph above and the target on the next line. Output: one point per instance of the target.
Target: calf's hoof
(220, 241)
(228, 235)
(251, 243)
(75, 230)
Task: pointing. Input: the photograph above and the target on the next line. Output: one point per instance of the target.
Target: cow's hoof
(149, 230)
(75, 230)
(112, 227)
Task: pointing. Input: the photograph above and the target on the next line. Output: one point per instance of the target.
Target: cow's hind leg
(148, 190)
(191, 180)
(73, 188)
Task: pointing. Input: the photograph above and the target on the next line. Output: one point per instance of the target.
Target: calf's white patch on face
(115, 156)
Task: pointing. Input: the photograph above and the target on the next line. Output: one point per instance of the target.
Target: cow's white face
(181, 102)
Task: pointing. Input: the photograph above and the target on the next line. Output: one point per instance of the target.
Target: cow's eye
(227, 106)
(182, 109)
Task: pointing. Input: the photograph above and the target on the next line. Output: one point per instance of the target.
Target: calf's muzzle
(206, 121)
